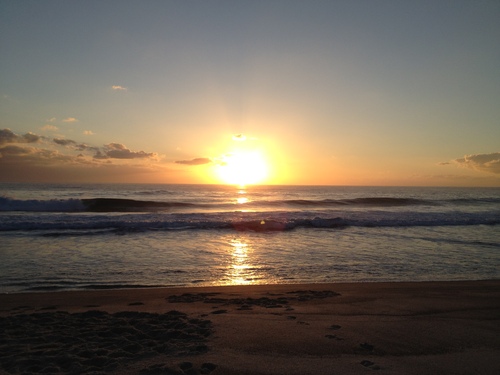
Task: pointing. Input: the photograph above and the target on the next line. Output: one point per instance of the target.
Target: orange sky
(335, 93)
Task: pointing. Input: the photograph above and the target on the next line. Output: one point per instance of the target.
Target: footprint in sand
(334, 337)
(334, 327)
(366, 346)
(244, 307)
(369, 364)
(216, 312)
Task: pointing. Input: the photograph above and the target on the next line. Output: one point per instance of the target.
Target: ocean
(95, 236)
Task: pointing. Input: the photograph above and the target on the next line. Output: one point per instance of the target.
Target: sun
(243, 167)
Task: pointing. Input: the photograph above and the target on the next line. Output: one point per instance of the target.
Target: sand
(386, 328)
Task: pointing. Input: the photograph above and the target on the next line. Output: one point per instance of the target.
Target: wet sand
(389, 328)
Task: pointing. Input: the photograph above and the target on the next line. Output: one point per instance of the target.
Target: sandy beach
(389, 328)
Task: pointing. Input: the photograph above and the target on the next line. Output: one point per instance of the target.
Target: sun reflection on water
(240, 271)
(241, 200)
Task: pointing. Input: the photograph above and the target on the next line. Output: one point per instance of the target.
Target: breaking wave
(97, 224)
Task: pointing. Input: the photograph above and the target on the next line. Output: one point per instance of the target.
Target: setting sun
(243, 168)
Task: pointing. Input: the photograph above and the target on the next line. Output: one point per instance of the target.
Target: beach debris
(307, 295)
(184, 368)
(273, 301)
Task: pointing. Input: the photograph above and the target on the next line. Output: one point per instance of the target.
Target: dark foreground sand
(386, 328)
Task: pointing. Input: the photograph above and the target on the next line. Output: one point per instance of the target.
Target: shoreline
(132, 288)
(339, 328)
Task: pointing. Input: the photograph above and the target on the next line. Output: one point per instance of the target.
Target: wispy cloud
(481, 162)
(49, 127)
(195, 161)
(119, 88)
(88, 132)
(70, 119)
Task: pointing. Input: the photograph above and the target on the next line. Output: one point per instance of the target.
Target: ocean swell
(132, 205)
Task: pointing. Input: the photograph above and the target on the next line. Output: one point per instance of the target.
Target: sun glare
(243, 168)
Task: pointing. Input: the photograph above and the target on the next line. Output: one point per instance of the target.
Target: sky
(314, 92)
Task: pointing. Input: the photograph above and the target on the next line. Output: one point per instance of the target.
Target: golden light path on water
(239, 269)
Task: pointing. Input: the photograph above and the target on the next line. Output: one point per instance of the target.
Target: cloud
(239, 137)
(7, 136)
(481, 162)
(31, 138)
(70, 119)
(64, 142)
(118, 88)
(49, 127)
(30, 157)
(14, 150)
(69, 143)
(88, 132)
(120, 151)
(195, 161)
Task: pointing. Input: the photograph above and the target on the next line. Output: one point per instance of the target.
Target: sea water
(66, 237)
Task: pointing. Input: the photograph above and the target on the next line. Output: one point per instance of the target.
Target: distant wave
(375, 201)
(88, 205)
(126, 205)
(131, 205)
(35, 205)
